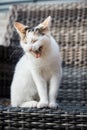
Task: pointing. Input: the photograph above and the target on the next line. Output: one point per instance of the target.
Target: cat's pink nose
(30, 49)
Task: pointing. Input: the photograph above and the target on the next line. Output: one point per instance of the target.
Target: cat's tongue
(37, 55)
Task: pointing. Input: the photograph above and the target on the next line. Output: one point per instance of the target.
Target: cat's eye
(33, 40)
(25, 42)
(40, 31)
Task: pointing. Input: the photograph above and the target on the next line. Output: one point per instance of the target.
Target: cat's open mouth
(38, 52)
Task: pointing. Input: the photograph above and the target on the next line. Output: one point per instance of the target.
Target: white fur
(32, 75)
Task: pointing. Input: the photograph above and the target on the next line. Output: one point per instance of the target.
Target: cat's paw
(53, 105)
(42, 104)
(30, 104)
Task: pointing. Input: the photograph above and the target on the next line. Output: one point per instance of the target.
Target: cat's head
(30, 36)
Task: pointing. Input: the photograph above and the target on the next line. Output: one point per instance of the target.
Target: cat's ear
(46, 24)
(21, 29)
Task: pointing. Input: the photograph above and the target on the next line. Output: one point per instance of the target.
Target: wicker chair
(69, 27)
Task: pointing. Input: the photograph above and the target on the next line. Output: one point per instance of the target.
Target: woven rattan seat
(69, 27)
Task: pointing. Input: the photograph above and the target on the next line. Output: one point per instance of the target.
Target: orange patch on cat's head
(20, 29)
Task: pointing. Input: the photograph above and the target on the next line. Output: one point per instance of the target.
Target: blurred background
(6, 4)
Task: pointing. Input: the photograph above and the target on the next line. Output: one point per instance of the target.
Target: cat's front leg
(42, 90)
(53, 90)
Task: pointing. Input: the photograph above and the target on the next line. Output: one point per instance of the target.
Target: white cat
(38, 73)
